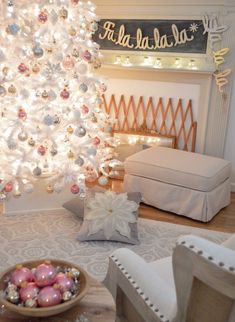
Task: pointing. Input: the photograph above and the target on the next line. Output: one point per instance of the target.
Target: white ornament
(28, 187)
(103, 181)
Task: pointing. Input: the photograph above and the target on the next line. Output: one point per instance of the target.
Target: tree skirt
(53, 235)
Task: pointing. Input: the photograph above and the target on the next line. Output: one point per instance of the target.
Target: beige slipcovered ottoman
(186, 183)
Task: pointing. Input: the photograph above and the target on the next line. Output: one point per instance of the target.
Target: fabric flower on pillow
(111, 212)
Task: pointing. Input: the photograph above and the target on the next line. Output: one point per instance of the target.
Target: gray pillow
(76, 205)
(111, 216)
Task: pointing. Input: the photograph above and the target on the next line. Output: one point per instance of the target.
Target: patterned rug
(53, 235)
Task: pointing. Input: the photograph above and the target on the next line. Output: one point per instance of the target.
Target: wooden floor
(223, 221)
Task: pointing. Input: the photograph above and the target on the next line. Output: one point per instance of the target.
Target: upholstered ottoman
(188, 184)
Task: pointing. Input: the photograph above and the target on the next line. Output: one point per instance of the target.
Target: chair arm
(218, 254)
(129, 271)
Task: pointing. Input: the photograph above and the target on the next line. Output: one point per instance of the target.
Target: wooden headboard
(165, 117)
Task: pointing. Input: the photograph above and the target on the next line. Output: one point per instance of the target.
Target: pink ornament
(68, 63)
(64, 282)
(42, 150)
(22, 68)
(74, 2)
(85, 109)
(45, 275)
(42, 17)
(20, 275)
(49, 296)
(22, 114)
(75, 189)
(64, 94)
(30, 291)
(8, 187)
(96, 141)
(86, 55)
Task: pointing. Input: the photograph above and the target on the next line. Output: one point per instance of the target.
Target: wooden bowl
(45, 311)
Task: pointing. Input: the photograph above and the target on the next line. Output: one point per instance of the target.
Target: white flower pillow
(111, 216)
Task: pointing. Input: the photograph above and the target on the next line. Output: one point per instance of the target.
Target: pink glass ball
(64, 282)
(42, 150)
(22, 114)
(22, 68)
(68, 63)
(45, 275)
(64, 94)
(21, 275)
(49, 296)
(96, 141)
(30, 291)
(75, 189)
(86, 55)
(85, 109)
(8, 187)
(74, 2)
(42, 17)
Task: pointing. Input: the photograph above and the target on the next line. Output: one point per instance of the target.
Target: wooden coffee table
(96, 306)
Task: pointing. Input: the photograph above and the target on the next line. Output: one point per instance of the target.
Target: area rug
(53, 235)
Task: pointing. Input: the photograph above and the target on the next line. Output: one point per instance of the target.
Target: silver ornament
(67, 296)
(22, 136)
(82, 68)
(58, 187)
(80, 131)
(52, 95)
(103, 181)
(79, 161)
(56, 119)
(31, 303)
(75, 272)
(94, 26)
(2, 91)
(28, 187)
(37, 171)
(53, 151)
(12, 144)
(83, 88)
(91, 151)
(48, 120)
(77, 114)
(13, 296)
(38, 51)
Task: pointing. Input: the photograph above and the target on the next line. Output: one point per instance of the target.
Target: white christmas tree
(51, 122)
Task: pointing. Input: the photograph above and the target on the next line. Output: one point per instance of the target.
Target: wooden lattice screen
(144, 115)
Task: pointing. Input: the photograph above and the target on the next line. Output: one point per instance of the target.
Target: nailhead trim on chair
(210, 258)
(138, 289)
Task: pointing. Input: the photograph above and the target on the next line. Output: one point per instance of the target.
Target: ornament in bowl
(43, 287)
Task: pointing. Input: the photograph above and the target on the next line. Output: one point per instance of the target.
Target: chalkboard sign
(170, 36)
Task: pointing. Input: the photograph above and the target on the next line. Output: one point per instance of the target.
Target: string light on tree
(50, 117)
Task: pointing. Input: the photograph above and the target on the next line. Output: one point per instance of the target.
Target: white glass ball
(103, 181)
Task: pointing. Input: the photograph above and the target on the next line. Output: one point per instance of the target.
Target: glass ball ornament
(31, 142)
(82, 68)
(92, 151)
(74, 2)
(53, 151)
(45, 94)
(77, 114)
(48, 120)
(96, 141)
(58, 187)
(68, 63)
(22, 136)
(8, 187)
(42, 150)
(22, 68)
(72, 31)
(2, 91)
(75, 53)
(83, 88)
(52, 95)
(16, 193)
(79, 161)
(94, 26)
(22, 115)
(80, 131)
(75, 189)
(37, 171)
(70, 155)
(12, 89)
(56, 119)
(12, 144)
(103, 181)
(87, 56)
(13, 29)
(70, 129)
(85, 109)
(38, 51)
(31, 303)
(64, 94)
(45, 274)
(50, 189)
(2, 196)
(42, 17)
(63, 13)
(36, 68)
(49, 296)
(103, 87)
(28, 187)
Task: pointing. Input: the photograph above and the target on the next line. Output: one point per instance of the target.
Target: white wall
(229, 152)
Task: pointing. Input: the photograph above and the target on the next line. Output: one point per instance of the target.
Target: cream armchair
(196, 284)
